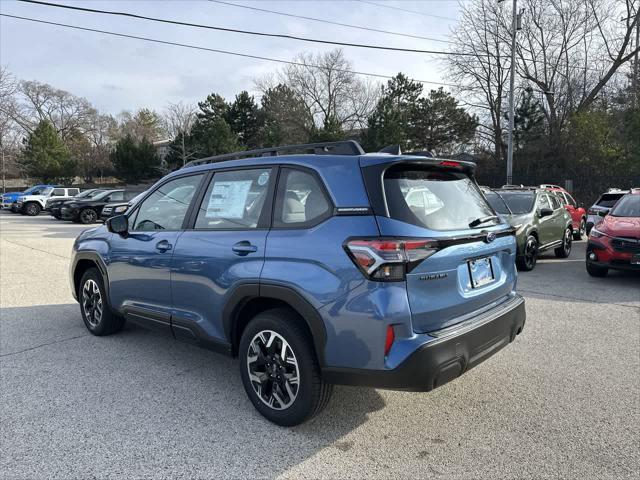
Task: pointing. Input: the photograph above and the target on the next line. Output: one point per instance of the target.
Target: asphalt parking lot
(562, 401)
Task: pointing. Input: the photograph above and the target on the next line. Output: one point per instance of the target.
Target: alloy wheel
(531, 253)
(273, 370)
(88, 216)
(92, 302)
(567, 242)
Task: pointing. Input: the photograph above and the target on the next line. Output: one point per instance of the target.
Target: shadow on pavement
(140, 404)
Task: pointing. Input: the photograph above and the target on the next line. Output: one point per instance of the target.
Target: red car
(615, 242)
(577, 212)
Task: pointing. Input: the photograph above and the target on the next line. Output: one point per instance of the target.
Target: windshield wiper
(481, 220)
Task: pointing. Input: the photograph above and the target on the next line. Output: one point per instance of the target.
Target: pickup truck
(9, 199)
(33, 204)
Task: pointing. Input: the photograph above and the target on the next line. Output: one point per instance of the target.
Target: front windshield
(497, 203)
(103, 194)
(628, 206)
(518, 202)
(89, 193)
(33, 190)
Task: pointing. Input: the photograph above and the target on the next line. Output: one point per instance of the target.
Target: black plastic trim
(443, 359)
(102, 267)
(186, 330)
(244, 293)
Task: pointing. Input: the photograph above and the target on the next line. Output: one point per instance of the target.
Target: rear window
(629, 206)
(608, 200)
(518, 202)
(435, 199)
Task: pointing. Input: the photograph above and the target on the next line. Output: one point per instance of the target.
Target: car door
(559, 216)
(140, 261)
(222, 249)
(545, 224)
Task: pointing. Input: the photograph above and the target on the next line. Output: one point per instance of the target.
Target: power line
(330, 22)
(215, 50)
(408, 11)
(246, 32)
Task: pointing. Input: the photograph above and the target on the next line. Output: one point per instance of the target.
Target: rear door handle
(243, 248)
(163, 246)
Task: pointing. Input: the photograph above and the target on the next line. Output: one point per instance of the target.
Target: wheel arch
(81, 263)
(248, 300)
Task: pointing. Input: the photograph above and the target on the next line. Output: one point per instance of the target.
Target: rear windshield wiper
(482, 220)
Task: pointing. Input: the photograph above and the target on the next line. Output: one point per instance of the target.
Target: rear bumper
(448, 354)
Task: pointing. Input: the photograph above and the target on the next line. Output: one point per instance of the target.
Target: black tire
(564, 250)
(581, 232)
(596, 271)
(312, 393)
(32, 209)
(106, 322)
(589, 227)
(57, 217)
(87, 216)
(527, 261)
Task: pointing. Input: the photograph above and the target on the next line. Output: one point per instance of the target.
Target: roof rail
(346, 147)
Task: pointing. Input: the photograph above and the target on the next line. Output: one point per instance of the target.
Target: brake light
(450, 163)
(388, 342)
(591, 211)
(389, 259)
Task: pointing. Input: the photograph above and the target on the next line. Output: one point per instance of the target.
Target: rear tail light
(450, 163)
(592, 212)
(389, 259)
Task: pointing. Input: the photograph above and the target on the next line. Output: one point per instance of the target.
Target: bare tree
(570, 50)
(332, 94)
(483, 72)
(9, 133)
(37, 101)
(179, 119)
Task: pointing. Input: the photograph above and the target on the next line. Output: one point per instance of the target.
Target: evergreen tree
(438, 124)
(390, 123)
(46, 157)
(243, 116)
(285, 119)
(134, 160)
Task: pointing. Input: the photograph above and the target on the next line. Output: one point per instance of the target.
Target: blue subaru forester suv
(315, 265)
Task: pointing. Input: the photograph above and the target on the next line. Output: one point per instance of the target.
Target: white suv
(32, 205)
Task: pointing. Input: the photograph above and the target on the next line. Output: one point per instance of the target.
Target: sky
(117, 74)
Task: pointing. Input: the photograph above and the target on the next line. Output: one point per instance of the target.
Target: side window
(234, 200)
(543, 202)
(570, 200)
(300, 201)
(163, 209)
(58, 192)
(555, 202)
(72, 192)
(116, 197)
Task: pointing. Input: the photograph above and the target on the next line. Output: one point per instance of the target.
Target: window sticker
(263, 179)
(228, 199)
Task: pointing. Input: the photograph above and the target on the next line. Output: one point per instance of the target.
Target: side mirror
(581, 204)
(604, 213)
(118, 224)
(545, 212)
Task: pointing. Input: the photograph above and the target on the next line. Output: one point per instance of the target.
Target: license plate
(480, 271)
(635, 260)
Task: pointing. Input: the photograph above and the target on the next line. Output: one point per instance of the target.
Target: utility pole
(514, 26)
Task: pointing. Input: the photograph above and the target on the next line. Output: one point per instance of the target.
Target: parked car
(54, 205)
(615, 242)
(312, 269)
(32, 204)
(576, 210)
(10, 199)
(599, 209)
(88, 210)
(540, 221)
(118, 208)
